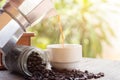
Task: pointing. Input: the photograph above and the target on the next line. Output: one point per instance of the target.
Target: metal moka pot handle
(30, 12)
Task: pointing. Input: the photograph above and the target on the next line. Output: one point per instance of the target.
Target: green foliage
(83, 21)
(2, 2)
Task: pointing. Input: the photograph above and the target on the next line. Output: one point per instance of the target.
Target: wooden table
(109, 67)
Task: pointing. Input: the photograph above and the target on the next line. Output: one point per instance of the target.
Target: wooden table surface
(110, 68)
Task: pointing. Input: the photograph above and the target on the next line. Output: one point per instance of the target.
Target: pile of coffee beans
(39, 71)
(35, 63)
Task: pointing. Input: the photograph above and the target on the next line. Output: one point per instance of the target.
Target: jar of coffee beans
(24, 59)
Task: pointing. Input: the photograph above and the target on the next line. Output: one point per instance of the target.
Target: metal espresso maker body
(23, 13)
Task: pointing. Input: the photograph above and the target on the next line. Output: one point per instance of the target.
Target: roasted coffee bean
(37, 67)
(97, 76)
(86, 71)
(82, 78)
(101, 74)
(90, 75)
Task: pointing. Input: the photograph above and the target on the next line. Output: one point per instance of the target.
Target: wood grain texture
(25, 39)
(110, 68)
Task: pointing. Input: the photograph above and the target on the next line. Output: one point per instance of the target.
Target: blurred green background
(83, 23)
(2, 2)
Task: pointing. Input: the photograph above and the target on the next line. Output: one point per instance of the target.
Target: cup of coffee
(64, 57)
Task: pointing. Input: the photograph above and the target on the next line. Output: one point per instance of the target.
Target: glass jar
(16, 59)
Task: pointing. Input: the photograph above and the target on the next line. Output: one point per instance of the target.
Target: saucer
(66, 65)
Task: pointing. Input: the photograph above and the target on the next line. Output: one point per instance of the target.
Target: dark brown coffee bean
(37, 67)
(90, 75)
(97, 76)
(82, 78)
(101, 74)
(86, 71)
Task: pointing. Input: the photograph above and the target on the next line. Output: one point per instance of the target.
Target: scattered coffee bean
(101, 74)
(37, 67)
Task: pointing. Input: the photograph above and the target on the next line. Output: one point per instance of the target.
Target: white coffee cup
(69, 54)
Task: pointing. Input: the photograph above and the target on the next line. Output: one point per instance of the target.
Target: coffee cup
(66, 56)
